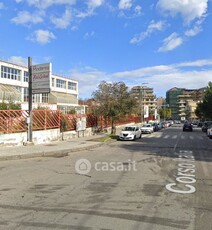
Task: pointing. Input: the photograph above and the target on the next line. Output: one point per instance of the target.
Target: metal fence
(14, 121)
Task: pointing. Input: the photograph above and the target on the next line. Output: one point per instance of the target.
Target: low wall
(38, 137)
(89, 132)
(46, 136)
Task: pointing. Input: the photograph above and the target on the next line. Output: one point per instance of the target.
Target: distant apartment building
(146, 99)
(14, 86)
(161, 102)
(183, 102)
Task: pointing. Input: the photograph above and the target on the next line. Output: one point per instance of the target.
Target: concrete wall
(39, 137)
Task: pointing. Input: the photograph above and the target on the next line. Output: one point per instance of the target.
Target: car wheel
(140, 136)
(134, 138)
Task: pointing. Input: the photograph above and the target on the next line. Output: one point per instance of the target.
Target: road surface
(162, 181)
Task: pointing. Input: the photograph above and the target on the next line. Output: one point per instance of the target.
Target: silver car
(130, 133)
(147, 128)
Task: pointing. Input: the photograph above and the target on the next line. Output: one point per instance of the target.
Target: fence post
(45, 118)
(59, 120)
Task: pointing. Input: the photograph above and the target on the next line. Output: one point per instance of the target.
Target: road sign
(41, 78)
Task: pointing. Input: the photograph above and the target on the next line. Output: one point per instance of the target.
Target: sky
(157, 43)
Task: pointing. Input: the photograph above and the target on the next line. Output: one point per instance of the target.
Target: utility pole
(141, 104)
(142, 99)
(29, 137)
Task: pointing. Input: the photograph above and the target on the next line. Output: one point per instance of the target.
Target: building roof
(9, 92)
(62, 98)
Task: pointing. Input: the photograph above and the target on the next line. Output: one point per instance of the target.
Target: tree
(165, 113)
(204, 108)
(113, 101)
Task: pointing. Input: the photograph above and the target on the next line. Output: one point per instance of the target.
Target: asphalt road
(162, 181)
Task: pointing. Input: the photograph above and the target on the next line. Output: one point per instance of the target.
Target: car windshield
(146, 125)
(129, 129)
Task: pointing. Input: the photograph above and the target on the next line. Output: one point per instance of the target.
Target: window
(36, 98)
(26, 76)
(72, 85)
(60, 84)
(26, 94)
(45, 97)
(10, 73)
(53, 82)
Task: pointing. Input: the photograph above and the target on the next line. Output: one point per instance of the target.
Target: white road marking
(174, 137)
(185, 174)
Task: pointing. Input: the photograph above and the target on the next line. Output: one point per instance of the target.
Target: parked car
(147, 128)
(160, 126)
(177, 122)
(209, 131)
(205, 126)
(155, 127)
(187, 127)
(130, 133)
(163, 124)
(200, 124)
(194, 123)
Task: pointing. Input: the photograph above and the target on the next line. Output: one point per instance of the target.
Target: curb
(56, 153)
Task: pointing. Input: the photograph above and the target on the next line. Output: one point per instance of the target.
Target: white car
(209, 131)
(130, 133)
(147, 128)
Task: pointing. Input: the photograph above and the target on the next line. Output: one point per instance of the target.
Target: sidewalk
(56, 149)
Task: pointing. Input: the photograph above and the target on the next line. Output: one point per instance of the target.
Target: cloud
(193, 32)
(2, 5)
(18, 60)
(125, 4)
(182, 79)
(152, 27)
(198, 63)
(64, 21)
(164, 77)
(91, 6)
(25, 17)
(89, 34)
(188, 9)
(197, 28)
(161, 78)
(171, 43)
(88, 78)
(137, 10)
(43, 4)
(42, 36)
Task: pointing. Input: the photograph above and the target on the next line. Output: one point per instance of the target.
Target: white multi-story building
(14, 87)
(146, 99)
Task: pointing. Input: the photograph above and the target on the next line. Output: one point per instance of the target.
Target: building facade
(146, 100)
(14, 87)
(183, 102)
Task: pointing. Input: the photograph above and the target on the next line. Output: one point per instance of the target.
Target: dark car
(187, 127)
(155, 127)
(205, 126)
